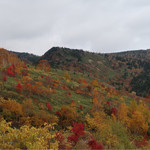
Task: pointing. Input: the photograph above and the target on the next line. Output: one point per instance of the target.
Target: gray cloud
(95, 25)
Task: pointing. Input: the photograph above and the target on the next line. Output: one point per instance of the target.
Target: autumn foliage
(78, 130)
(10, 71)
(94, 145)
(48, 108)
(19, 88)
(4, 78)
(44, 65)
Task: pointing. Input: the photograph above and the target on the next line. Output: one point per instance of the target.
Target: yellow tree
(137, 124)
(123, 113)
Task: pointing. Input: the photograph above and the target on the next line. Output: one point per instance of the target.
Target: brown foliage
(44, 65)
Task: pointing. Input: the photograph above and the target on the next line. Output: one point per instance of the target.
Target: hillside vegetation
(129, 71)
(70, 99)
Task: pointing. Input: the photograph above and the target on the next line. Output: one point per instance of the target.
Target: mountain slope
(61, 109)
(78, 60)
(117, 69)
(134, 67)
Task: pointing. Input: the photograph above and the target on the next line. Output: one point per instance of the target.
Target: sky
(101, 26)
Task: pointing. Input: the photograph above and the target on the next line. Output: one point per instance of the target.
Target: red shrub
(108, 103)
(19, 87)
(81, 107)
(10, 71)
(73, 138)
(103, 85)
(58, 113)
(69, 93)
(4, 78)
(140, 144)
(94, 145)
(49, 107)
(78, 130)
(114, 111)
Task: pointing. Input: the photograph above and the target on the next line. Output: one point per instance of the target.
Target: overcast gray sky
(95, 25)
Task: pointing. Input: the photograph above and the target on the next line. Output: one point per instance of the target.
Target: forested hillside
(134, 67)
(48, 105)
(128, 70)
